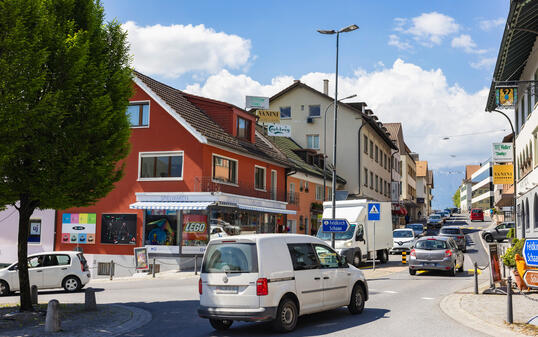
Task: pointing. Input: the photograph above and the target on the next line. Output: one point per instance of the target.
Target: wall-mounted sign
(506, 96)
(503, 174)
(256, 102)
(502, 152)
(118, 229)
(78, 228)
(279, 130)
(268, 116)
(35, 231)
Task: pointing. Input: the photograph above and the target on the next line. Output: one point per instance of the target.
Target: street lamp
(332, 32)
(325, 144)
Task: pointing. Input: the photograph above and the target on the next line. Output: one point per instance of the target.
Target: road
(400, 305)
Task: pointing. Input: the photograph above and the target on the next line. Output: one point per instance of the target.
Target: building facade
(424, 185)
(482, 189)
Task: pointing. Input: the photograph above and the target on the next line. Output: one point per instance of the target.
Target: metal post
(335, 126)
(111, 269)
(475, 278)
(510, 315)
(196, 265)
(375, 255)
(153, 269)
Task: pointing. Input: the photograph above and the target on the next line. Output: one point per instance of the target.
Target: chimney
(326, 87)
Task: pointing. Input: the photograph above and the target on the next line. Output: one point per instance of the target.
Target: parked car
(48, 271)
(455, 233)
(217, 232)
(418, 228)
(403, 240)
(477, 214)
(498, 233)
(275, 277)
(436, 253)
(435, 220)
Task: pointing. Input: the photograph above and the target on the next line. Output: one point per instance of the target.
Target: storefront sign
(141, 258)
(35, 231)
(502, 153)
(530, 252)
(279, 130)
(256, 102)
(118, 229)
(531, 278)
(505, 96)
(194, 234)
(503, 174)
(268, 116)
(79, 228)
(495, 269)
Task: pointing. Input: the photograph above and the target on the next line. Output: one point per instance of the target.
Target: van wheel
(4, 288)
(220, 324)
(286, 316)
(412, 271)
(356, 303)
(382, 256)
(357, 260)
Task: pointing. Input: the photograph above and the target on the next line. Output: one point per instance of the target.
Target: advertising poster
(495, 267)
(195, 235)
(119, 229)
(141, 258)
(79, 228)
(161, 228)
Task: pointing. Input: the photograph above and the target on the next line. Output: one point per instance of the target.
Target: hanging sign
(278, 130)
(506, 96)
(502, 152)
(503, 174)
(256, 102)
(268, 116)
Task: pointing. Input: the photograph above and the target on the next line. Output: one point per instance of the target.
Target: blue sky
(427, 64)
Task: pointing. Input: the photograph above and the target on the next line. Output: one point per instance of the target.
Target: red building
(194, 164)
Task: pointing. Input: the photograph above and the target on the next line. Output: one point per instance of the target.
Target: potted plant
(509, 260)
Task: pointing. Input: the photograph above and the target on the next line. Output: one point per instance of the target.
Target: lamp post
(337, 32)
(325, 144)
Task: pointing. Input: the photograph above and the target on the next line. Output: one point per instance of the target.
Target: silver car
(456, 233)
(436, 253)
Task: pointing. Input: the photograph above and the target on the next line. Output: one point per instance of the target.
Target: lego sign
(194, 234)
(503, 174)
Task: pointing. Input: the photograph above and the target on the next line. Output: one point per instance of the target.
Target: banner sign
(503, 174)
(78, 228)
(268, 116)
(141, 258)
(256, 102)
(502, 153)
(279, 130)
(530, 252)
(505, 96)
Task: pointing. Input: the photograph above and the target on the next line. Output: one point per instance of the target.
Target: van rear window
(230, 258)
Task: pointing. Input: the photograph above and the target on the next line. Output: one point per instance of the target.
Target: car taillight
(448, 253)
(413, 253)
(261, 287)
(200, 286)
(460, 237)
(82, 267)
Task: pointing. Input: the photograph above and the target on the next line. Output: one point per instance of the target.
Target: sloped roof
(396, 134)
(422, 168)
(204, 125)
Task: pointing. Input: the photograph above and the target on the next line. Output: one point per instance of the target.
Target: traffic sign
(335, 225)
(374, 211)
(530, 252)
(531, 278)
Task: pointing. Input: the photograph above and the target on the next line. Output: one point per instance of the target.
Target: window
(292, 188)
(319, 192)
(535, 211)
(330, 194)
(243, 128)
(224, 170)
(161, 165)
(231, 257)
(312, 142)
(365, 144)
(259, 178)
(528, 215)
(138, 113)
(35, 231)
(306, 186)
(376, 183)
(303, 256)
(371, 149)
(314, 111)
(386, 162)
(365, 177)
(285, 112)
(327, 257)
(376, 154)
(371, 180)
(273, 184)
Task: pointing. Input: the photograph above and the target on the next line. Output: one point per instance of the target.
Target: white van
(275, 277)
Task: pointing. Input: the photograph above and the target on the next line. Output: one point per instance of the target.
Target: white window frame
(276, 183)
(319, 192)
(224, 182)
(149, 114)
(264, 189)
(312, 135)
(161, 154)
(311, 105)
(289, 106)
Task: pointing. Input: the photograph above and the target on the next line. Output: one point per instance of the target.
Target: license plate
(227, 289)
(429, 264)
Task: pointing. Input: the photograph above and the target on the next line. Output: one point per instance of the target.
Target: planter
(519, 281)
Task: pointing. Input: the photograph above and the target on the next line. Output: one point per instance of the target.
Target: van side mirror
(359, 237)
(343, 261)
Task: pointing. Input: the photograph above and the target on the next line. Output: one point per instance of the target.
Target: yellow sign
(506, 96)
(503, 174)
(268, 116)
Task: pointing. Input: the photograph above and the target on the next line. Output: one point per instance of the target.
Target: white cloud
(465, 42)
(487, 25)
(394, 40)
(485, 63)
(431, 28)
(428, 107)
(173, 50)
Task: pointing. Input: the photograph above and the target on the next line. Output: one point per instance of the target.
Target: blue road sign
(335, 225)
(530, 252)
(374, 211)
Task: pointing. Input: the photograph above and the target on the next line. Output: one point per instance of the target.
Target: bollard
(510, 314)
(476, 278)
(404, 257)
(111, 269)
(153, 268)
(33, 293)
(195, 265)
(89, 300)
(52, 320)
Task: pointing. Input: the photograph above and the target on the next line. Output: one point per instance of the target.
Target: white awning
(194, 205)
(265, 209)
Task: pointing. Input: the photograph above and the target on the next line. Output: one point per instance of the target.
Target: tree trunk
(26, 208)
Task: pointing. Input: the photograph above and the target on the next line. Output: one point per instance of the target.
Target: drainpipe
(359, 157)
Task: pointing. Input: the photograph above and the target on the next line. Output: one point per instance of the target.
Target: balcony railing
(293, 198)
(208, 184)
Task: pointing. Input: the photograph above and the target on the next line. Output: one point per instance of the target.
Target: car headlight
(348, 244)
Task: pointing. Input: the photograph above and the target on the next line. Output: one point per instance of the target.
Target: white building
(482, 190)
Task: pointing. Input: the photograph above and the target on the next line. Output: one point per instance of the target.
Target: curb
(139, 318)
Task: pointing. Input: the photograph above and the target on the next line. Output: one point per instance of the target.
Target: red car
(477, 214)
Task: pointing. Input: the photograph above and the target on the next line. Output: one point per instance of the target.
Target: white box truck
(357, 243)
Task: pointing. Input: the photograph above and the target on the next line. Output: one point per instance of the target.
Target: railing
(208, 184)
(293, 198)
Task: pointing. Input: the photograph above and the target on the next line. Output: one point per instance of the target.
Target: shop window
(224, 170)
(285, 112)
(314, 111)
(118, 229)
(194, 231)
(259, 178)
(312, 142)
(35, 231)
(138, 113)
(319, 192)
(161, 166)
(243, 128)
(161, 227)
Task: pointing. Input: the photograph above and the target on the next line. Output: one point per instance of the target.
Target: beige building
(364, 147)
(424, 185)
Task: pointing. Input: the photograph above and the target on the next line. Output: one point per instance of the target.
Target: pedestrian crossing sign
(374, 211)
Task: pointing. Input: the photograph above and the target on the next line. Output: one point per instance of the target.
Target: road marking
(421, 271)
(471, 271)
(390, 292)
(427, 298)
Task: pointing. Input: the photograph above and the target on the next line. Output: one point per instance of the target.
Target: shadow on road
(431, 273)
(54, 292)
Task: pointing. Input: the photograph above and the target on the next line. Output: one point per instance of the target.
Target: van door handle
(64, 268)
(316, 278)
(39, 271)
(326, 277)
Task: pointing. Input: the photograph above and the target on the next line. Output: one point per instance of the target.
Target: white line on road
(390, 292)
(427, 298)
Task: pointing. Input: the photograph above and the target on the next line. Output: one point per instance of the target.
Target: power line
(472, 134)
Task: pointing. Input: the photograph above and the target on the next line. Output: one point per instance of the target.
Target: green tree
(65, 82)
(456, 198)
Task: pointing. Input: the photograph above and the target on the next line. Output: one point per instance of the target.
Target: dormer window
(243, 128)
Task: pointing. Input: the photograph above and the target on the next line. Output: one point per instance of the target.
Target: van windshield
(230, 258)
(337, 236)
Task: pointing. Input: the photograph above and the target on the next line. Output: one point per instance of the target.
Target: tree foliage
(456, 198)
(65, 82)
